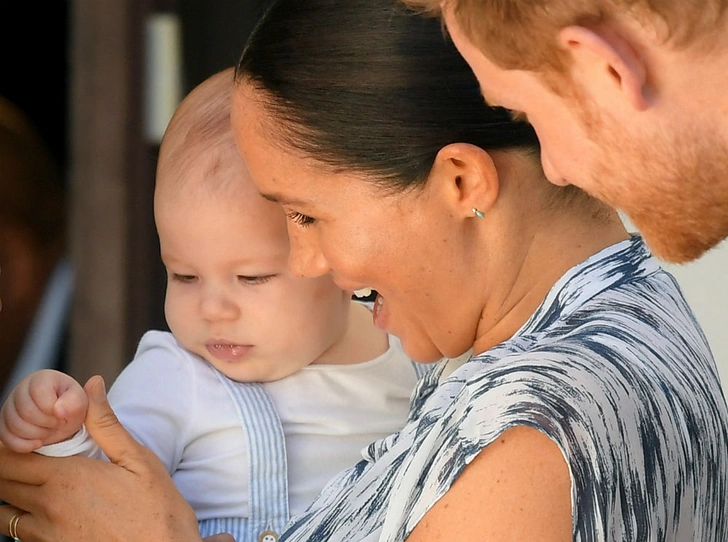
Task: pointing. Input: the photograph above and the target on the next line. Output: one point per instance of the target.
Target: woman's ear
(468, 178)
(606, 61)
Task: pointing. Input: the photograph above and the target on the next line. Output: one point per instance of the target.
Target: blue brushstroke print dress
(614, 368)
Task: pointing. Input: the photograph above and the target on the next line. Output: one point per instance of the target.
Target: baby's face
(230, 296)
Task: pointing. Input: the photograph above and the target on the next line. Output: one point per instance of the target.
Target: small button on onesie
(268, 536)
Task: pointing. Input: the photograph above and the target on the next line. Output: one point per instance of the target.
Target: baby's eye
(254, 280)
(184, 279)
(300, 219)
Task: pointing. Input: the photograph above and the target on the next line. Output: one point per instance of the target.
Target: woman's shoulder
(599, 375)
(517, 488)
(653, 439)
(628, 410)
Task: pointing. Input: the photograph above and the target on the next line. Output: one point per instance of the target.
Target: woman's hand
(78, 499)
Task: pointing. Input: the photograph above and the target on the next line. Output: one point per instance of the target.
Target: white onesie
(237, 450)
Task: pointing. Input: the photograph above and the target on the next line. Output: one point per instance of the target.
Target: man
(627, 96)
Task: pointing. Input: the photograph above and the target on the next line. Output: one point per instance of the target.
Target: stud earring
(477, 213)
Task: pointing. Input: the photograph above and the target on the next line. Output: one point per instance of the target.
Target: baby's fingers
(45, 387)
(18, 434)
(71, 407)
(22, 407)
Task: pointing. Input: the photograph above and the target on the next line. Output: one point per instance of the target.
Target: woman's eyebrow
(282, 200)
(271, 197)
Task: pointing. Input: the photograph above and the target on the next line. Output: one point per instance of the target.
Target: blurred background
(99, 79)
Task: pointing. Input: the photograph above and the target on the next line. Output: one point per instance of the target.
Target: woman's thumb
(104, 427)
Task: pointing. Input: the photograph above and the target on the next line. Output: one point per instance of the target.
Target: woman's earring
(477, 213)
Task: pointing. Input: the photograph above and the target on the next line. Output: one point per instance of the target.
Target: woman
(590, 408)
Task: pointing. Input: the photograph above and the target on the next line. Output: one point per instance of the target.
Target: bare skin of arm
(85, 500)
(517, 489)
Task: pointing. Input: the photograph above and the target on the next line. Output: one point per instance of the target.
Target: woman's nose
(305, 258)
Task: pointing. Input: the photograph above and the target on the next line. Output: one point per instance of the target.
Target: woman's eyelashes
(299, 219)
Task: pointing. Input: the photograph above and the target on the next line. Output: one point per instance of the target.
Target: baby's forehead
(213, 172)
(222, 233)
(231, 197)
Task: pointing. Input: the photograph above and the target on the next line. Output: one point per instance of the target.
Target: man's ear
(467, 176)
(606, 60)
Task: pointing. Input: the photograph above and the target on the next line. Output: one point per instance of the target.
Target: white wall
(705, 284)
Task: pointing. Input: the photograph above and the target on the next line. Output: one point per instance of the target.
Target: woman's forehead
(284, 174)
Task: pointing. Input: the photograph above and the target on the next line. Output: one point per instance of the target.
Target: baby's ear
(606, 62)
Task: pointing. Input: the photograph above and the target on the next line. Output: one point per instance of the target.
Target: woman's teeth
(364, 292)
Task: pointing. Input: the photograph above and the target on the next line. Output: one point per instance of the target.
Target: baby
(268, 384)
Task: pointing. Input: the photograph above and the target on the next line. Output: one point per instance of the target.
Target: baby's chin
(254, 370)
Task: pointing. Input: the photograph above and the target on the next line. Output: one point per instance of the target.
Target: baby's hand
(44, 408)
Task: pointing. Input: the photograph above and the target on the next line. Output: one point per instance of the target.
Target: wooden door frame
(109, 173)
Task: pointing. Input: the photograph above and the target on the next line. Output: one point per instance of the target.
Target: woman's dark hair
(368, 86)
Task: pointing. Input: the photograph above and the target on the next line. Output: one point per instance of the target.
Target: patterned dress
(614, 368)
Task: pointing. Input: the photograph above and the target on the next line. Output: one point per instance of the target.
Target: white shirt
(172, 402)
